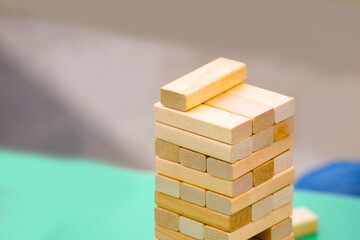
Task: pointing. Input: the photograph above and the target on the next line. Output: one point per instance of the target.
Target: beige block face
(283, 161)
(279, 231)
(263, 173)
(243, 184)
(283, 196)
(192, 194)
(167, 150)
(167, 186)
(162, 233)
(166, 218)
(263, 139)
(284, 128)
(261, 208)
(191, 228)
(193, 159)
(304, 222)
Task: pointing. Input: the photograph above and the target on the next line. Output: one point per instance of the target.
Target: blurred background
(79, 78)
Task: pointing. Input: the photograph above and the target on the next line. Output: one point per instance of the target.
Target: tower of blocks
(223, 159)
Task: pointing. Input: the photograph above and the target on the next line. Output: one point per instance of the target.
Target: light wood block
(227, 205)
(166, 218)
(206, 121)
(279, 231)
(283, 161)
(193, 159)
(204, 180)
(304, 222)
(290, 237)
(191, 228)
(192, 194)
(203, 214)
(283, 196)
(167, 185)
(284, 106)
(251, 229)
(262, 207)
(263, 139)
(228, 171)
(284, 128)
(263, 173)
(197, 143)
(167, 150)
(262, 116)
(202, 84)
(162, 233)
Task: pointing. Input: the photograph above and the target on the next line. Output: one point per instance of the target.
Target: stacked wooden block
(223, 157)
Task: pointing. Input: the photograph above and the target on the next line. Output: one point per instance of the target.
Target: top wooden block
(202, 84)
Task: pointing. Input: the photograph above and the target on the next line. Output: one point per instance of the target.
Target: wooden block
(197, 143)
(203, 214)
(263, 173)
(284, 128)
(202, 84)
(304, 222)
(279, 231)
(230, 206)
(283, 161)
(262, 116)
(206, 121)
(262, 207)
(284, 106)
(193, 159)
(167, 185)
(191, 228)
(290, 237)
(263, 139)
(166, 218)
(232, 171)
(283, 196)
(192, 194)
(167, 150)
(251, 229)
(162, 233)
(204, 180)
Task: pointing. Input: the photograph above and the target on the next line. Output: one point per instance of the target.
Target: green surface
(44, 198)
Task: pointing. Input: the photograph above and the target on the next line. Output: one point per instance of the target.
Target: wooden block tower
(223, 158)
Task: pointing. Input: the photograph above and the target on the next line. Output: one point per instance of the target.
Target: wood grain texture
(167, 150)
(162, 233)
(279, 231)
(166, 218)
(206, 121)
(283, 196)
(262, 207)
(202, 84)
(283, 161)
(192, 194)
(284, 128)
(263, 173)
(284, 106)
(304, 222)
(228, 171)
(193, 159)
(263, 139)
(191, 228)
(262, 116)
(167, 185)
(197, 143)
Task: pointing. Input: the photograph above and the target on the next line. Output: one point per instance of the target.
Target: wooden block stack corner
(223, 157)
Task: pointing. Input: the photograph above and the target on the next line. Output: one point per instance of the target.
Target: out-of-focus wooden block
(262, 207)
(284, 106)
(197, 143)
(262, 116)
(162, 233)
(167, 185)
(191, 228)
(251, 229)
(167, 150)
(284, 128)
(192, 194)
(290, 237)
(203, 214)
(166, 218)
(204, 180)
(230, 206)
(202, 84)
(283, 161)
(279, 231)
(206, 121)
(263, 173)
(193, 159)
(228, 171)
(304, 222)
(283, 196)
(263, 139)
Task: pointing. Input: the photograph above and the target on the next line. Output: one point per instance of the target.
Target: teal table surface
(47, 198)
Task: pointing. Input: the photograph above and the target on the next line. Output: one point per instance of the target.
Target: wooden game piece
(216, 149)
(192, 194)
(167, 150)
(251, 229)
(193, 159)
(206, 121)
(262, 207)
(262, 116)
(227, 205)
(283, 196)
(166, 218)
(283, 161)
(203, 214)
(290, 237)
(279, 231)
(284, 128)
(263, 173)
(202, 84)
(284, 106)
(228, 171)
(263, 139)
(204, 180)
(191, 228)
(304, 222)
(167, 185)
(162, 233)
